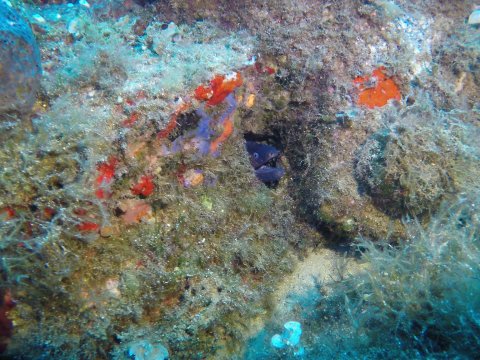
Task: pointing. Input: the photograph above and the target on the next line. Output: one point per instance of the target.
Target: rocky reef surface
(182, 179)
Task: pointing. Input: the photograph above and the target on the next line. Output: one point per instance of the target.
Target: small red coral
(261, 69)
(144, 186)
(7, 213)
(203, 93)
(49, 213)
(106, 172)
(132, 119)
(220, 87)
(88, 226)
(379, 92)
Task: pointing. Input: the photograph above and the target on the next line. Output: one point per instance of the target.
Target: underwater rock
(20, 68)
(406, 167)
(328, 193)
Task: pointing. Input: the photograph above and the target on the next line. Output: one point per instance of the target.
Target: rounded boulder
(20, 65)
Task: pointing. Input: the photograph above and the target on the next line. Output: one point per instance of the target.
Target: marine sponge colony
(175, 173)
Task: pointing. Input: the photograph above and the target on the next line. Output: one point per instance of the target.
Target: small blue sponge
(289, 338)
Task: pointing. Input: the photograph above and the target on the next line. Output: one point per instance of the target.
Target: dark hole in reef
(159, 204)
(144, 2)
(116, 338)
(237, 263)
(272, 140)
(118, 212)
(55, 183)
(187, 283)
(272, 165)
(185, 122)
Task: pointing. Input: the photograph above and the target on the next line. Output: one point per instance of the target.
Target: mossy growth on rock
(416, 300)
(411, 164)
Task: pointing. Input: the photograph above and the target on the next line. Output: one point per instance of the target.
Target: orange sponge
(376, 90)
(227, 131)
(220, 87)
